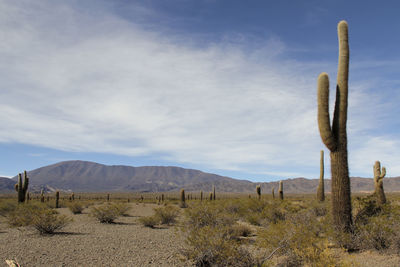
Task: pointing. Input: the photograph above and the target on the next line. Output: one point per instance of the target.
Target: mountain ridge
(86, 176)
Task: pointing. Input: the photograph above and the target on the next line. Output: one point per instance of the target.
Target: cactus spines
(378, 181)
(280, 190)
(258, 190)
(273, 192)
(22, 188)
(57, 199)
(321, 186)
(335, 137)
(183, 199)
(214, 192)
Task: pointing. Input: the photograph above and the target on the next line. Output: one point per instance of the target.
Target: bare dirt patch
(86, 242)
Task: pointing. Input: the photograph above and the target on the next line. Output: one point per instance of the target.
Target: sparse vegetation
(75, 207)
(105, 213)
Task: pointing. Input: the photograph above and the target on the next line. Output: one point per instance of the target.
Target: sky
(223, 86)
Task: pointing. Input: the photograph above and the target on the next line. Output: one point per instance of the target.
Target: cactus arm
(383, 173)
(323, 112)
(26, 182)
(340, 114)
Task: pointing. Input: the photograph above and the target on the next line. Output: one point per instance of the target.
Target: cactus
(183, 199)
(211, 196)
(273, 192)
(280, 190)
(42, 196)
(214, 192)
(57, 199)
(335, 137)
(27, 197)
(258, 190)
(108, 197)
(378, 181)
(22, 188)
(201, 195)
(321, 186)
(72, 196)
(162, 197)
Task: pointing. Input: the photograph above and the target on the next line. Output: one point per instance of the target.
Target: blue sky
(227, 87)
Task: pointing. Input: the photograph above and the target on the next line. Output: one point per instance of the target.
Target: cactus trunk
(321, 186)
(335, 137)
(258, 190)
(378, 181)
(57, 199)
(280, 190)
(214, 193)
(22, 188)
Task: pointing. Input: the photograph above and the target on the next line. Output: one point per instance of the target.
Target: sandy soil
(85, 242)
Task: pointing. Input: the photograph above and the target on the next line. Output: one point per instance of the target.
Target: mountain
(84, 176)
(6, 185)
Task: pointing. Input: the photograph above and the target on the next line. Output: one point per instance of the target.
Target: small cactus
(108, 197)
(42, 196)
(57, 199)
(211, 196)
(214, 192)
(378, 181)
(183, 199)
(280, 190)
(321, 186)
(201, 195)
(258, 190)
(22, 188)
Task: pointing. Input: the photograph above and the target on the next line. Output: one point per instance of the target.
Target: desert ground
(126, 242)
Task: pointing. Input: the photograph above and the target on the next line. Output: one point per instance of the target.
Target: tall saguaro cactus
(22, 188)
(378, 181)
(258, 190)
(321, 186)
(335, 137)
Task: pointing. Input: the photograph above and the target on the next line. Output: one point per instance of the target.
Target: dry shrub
(75, 207)
(167, 214)
(149, 221)
(47, 221)
(105, 213)
(207, 214)
(7, 206)
(213, 246)
(300, 238)
(121, 208)
(40, 217)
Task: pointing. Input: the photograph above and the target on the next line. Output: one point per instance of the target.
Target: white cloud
(77, 82)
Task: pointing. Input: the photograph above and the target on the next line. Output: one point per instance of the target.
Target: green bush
(207, 214)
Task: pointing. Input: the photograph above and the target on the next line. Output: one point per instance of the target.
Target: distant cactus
(162, 197)
(280, 190)
(57, 199)
(335, 137)
(201, 195)
(321, 186)
(378, 181)
(22, 188)
(211, 196)
(72, 196)
(108, 197)
(183, 199)
(214, 192)
(42, 196)
(273, 192)
(258, 190)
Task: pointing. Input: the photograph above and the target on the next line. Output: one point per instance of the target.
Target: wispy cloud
(78, 82)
